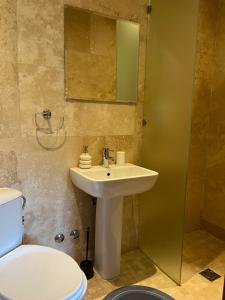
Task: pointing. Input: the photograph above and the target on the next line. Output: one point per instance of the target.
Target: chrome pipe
(24, 201)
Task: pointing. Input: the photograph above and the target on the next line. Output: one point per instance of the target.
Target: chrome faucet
(106, 157)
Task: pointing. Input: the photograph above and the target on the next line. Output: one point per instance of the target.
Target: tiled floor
(201, 250)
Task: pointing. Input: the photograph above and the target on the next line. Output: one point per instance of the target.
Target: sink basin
(109, 185)
(115, 181)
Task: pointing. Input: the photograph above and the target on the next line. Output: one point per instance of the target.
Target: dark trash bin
(137, 292)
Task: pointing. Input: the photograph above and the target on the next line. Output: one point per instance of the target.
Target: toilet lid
(39, 273)
(7, 194)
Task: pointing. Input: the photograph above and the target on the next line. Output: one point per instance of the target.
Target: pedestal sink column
(108, 233)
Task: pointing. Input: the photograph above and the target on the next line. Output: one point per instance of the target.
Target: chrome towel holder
(46, 128)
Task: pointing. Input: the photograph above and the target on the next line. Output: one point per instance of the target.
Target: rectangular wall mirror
(101, 57)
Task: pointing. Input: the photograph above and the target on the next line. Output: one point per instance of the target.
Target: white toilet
(30, 272)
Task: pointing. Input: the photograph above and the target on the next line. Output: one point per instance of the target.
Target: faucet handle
(106, 152)
(107, 157)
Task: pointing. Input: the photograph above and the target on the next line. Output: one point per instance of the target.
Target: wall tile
(214, 207)
(9, 156)
(40, 33)
(9, 101)
(52, 200)
(8, 31)
(40, 88)
(214, 204)
(203, 86)
(96, 119)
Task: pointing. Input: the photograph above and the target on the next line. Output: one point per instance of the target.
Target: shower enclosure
(171, 51)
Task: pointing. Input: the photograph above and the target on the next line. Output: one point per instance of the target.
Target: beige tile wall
(207, 19)
(214, 205)
(206, 174)
(32, 79)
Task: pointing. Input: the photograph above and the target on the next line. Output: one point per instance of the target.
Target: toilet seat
(40, 273)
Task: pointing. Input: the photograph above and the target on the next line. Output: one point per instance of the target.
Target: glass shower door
(168, 97)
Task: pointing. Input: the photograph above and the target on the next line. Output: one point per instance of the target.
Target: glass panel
(127, 60)
(169, 89)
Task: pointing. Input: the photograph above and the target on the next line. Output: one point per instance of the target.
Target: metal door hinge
(149, 8)
(144, 123)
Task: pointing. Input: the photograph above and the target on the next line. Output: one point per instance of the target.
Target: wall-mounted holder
(47, 114)
(45, 125)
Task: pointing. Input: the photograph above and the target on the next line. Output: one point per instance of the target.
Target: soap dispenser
(85, 159)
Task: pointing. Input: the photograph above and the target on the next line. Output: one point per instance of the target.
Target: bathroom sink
(110, 185)
(114, 181)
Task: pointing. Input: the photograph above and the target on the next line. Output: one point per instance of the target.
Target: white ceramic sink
(115, 181)
(109, 185)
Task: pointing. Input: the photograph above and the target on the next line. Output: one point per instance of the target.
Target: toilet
(32, 272)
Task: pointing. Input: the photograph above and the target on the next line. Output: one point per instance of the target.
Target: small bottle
(85, 159)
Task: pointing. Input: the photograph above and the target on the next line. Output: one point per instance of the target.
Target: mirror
(101, 57)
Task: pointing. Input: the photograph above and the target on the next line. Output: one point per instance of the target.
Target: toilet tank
(11, 223)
